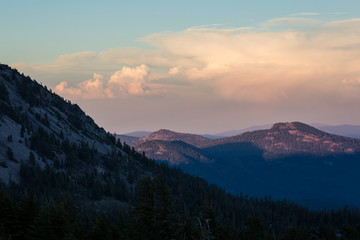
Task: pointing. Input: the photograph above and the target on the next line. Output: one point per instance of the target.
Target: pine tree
(103, 229)
(28, 212)
(142, 218)
(8, 218)
(164, 210)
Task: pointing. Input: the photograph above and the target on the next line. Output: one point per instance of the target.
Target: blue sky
(38, 31)
(272, 60)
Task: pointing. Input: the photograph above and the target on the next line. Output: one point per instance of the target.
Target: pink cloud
(63, 89)
(128, 80)
(240, 64)
(132, 81)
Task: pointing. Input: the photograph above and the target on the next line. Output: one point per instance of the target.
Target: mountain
(34, 121)
(343, 130)
(281, 140)
(292, 160)
(285, 139)
(210, 136)
(167, 135)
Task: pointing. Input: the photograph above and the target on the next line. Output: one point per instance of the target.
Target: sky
(191, 66)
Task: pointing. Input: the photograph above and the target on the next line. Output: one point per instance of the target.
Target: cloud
(63, 89)
(305, 14)
(128, 81)
(254, 65)
(89, 89)
(291, 22)
(93, 88)
(176, 71)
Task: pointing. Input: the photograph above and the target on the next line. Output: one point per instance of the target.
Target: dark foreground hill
(63, 177)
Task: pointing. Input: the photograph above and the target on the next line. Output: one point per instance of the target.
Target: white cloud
(128, 80)
(93, 88)
(63, 89)
(131, 81)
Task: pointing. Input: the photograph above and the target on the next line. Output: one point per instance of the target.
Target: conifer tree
(143, 214)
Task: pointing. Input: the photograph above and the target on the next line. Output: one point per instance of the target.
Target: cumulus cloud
(92, 88)
(63, 89)
(131, 81)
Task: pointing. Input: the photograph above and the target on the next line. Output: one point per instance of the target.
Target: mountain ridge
(294, 138)
(281, 140)
(290, 159)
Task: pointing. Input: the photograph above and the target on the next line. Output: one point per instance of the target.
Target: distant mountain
(167, 135)
(343, 130)
(210, 136)
(138, 134)
(292, 160)
(285, 139)
(281, 140)
(237, 132)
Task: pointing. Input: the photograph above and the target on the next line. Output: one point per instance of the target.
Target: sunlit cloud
(291, 22)
(126, 81)
(262, 65)
(63, 89)
(305, 14)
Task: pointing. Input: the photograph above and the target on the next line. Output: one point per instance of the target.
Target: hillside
(174, 152)
(35, 121)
